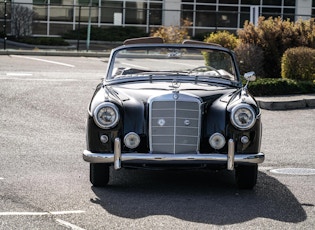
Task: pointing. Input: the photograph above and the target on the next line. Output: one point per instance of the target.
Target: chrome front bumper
(146, 158)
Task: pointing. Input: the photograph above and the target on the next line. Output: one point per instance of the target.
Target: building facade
(54, 17)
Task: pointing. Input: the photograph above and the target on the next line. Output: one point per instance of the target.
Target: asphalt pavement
(102, 49)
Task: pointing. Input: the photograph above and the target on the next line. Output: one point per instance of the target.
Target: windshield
(169, 61)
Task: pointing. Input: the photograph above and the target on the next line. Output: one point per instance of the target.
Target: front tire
(246, 176)
(99, 174)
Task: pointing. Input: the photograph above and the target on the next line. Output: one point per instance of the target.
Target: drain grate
(294, 171)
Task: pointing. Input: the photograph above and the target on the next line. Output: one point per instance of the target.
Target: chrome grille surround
(174, 123)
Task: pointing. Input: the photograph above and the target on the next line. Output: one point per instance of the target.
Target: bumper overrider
(148, 158)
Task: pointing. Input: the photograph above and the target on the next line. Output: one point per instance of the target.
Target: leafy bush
(45, 41)
(173, 34)
(106, 34)
(298, 63)
(278, 86)
(274, 36)
(2, 34)
(251, 58)
(223, 38)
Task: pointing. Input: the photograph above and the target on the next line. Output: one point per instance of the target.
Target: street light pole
(89, 28)
(5, 25)
(79, 27)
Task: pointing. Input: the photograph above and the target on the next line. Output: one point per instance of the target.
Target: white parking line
(43, 79)
(19, 74)
(68, 225)
(67, 212)
(24, 213)
(59, 221)
(40, 213)
(43, 60)
(1, 178)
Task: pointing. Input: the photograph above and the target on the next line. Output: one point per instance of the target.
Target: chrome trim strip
(230, 156)
(255, 158)
(117, 153)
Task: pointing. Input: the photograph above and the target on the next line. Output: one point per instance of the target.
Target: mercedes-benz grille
(174, 124)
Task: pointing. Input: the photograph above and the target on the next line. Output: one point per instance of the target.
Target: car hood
(141, 92)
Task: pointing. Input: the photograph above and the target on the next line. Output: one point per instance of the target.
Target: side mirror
(250, 76)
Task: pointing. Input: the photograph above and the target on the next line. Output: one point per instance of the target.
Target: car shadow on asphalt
(197, 196)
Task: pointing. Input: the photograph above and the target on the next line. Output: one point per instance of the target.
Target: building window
(228, 16)
(244, 15)
(155, 14)
(86, 2)
(52, 2)
(271, 12)
(250, 2)
(61, 13)
(206, 16)
(228, 1)
(136, 12)
(289, 2)
(289, 14)
(41, 11)
(110, 10)
(272, 3)
(187, 12)
(205, 1)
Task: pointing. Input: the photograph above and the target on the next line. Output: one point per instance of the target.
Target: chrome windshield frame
(108, 80)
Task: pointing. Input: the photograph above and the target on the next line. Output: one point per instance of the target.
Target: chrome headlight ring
(243, 116)
(217, 141)
(106, 115)
(132, 140)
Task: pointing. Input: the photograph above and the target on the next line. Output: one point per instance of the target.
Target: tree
(173, 34)
(274, 36)
(21, 20)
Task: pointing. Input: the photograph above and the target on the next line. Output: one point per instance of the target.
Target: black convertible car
(166, 106)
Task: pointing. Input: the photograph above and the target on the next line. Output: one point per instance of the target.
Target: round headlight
(132, 140)
(106, 115)
(217, 141)
(243, 116)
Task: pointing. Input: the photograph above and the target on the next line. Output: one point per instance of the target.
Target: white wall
(172, 13)
(303, 7)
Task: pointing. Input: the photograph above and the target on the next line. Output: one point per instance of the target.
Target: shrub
(298, 63)
(45, 41)
(274, 36)
(250, 58)
(173, 34)
(223, 38)
(106, 34)
(278, 86)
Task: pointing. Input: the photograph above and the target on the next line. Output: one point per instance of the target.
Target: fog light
(217, 141)
(132, 140)
(104, 139)
(244, 139)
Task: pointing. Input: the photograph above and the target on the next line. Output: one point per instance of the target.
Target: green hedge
(106, 34)
(278, 86)
(45, 41)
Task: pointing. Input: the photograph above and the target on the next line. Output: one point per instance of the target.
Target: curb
(278, 103)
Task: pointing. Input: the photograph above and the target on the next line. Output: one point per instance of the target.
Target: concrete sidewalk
(270, 103)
